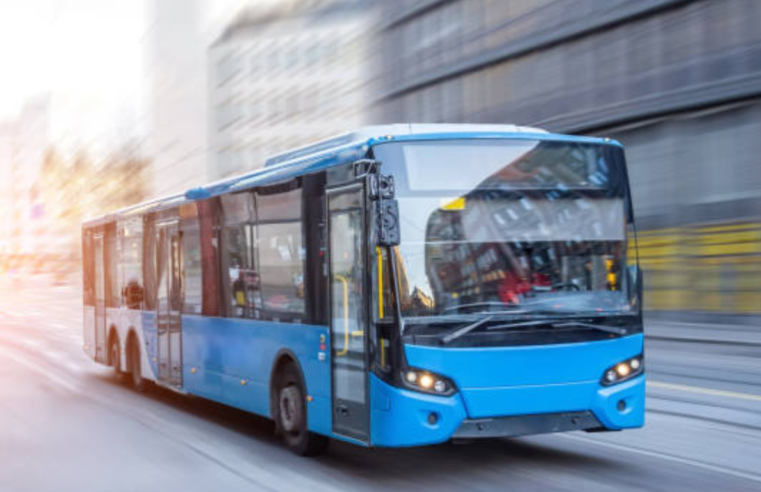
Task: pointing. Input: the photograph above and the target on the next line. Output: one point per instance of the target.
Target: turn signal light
(623, 371)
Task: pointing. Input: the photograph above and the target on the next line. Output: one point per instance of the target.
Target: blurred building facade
(677, 81)
(28, 218)
(284, 75)
(175, 59)
(6, 188)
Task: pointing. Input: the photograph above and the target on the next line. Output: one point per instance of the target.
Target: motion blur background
(106, 103)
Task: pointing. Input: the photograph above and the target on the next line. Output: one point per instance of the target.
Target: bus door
(100, 297)
(169, 299)
(348, 314)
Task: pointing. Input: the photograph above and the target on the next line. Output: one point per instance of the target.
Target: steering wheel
(566, 286)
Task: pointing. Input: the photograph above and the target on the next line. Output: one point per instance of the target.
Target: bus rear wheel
(114, 350)
(136, 377)
(291, 415)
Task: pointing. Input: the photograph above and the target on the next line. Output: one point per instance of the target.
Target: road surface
(66, 425)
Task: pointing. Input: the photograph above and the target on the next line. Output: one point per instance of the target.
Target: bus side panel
(89, 331)
(149, 342)
(231, 360)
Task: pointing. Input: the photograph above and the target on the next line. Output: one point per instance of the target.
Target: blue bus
(399, 285)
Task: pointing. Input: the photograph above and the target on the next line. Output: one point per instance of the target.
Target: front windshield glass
(510, 226)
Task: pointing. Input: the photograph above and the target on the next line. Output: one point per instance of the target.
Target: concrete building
(285, 75)
(677, 81)
(175, 95)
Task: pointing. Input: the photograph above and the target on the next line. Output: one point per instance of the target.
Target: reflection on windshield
(543, 227)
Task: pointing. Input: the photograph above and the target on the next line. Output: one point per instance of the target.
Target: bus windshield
(513, 227)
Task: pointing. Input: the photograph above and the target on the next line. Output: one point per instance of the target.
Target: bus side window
(239, 274)
(113, 282)
(208, 218)
(131, 262)
(281, 253)
(192, 261)
(149, 263)
(88, 266)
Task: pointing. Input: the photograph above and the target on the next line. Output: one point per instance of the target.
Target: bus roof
(336, 150)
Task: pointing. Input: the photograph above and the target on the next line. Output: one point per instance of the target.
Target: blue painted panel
(202, 382)
(219, 353)
(528, 400)
(527, 365)
(399, 417)
(150, 338)
(246, 394)
(606, 402)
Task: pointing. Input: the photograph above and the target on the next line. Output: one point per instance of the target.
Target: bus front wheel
(291, 415)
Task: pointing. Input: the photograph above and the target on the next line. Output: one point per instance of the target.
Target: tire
(114, 351)
(136, 378)
(291, 415)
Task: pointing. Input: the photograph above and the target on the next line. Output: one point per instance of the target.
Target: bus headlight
(623, 371)
(427, 382)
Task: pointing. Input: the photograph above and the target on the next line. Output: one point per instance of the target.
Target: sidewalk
(705, 333)
(747, 332)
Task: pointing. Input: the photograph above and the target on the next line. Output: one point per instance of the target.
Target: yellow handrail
(346, 315)
(380, 282)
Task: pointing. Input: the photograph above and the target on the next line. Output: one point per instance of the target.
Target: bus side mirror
(382, 193)
(388, 222)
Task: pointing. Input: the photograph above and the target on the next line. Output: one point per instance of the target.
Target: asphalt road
(66, 425)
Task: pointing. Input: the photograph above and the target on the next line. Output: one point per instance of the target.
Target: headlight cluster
(623, 371)
(427, 382)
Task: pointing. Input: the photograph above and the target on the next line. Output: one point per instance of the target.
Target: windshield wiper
(523, 324)
(486, 304)
(560, 323)
(606, 328)
(455, 334)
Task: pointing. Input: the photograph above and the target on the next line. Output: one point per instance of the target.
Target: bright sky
(89, 56)
(86, 53)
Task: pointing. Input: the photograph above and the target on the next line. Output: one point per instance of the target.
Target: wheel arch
(113, 334)
(282, 358)
(131, 339)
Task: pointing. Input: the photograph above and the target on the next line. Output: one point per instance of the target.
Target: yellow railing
(345, 283)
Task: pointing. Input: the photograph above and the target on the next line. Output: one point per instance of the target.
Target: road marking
(670, 457)
(705, 391)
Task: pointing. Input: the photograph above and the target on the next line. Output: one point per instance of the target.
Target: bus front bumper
(406, 418)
